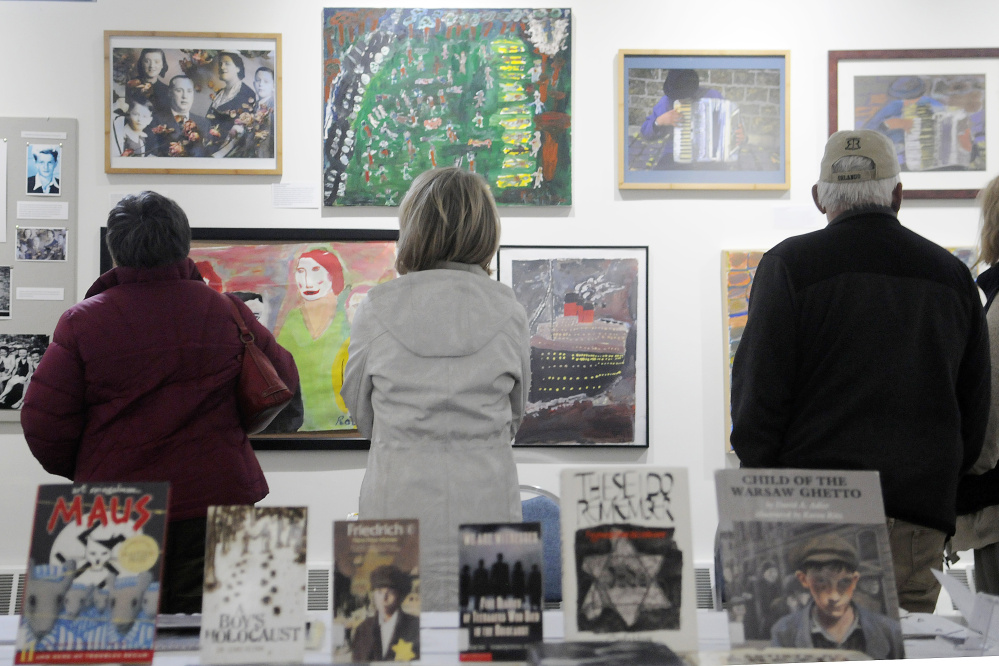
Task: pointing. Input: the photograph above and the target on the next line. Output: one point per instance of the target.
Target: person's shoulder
(879, 620)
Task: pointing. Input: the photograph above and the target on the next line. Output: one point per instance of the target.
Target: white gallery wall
(54, 55)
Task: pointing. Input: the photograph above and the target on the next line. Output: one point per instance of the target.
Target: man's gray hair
(841, 197)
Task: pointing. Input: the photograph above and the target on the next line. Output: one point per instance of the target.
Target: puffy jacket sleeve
(357, 383)
(54, 411)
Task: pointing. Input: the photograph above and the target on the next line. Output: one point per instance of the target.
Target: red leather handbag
(261, 394)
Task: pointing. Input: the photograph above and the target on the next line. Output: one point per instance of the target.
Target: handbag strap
(244, 333)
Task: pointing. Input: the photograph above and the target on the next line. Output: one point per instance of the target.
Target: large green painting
(408, 90)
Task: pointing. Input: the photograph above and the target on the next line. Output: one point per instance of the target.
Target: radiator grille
(319, 590)
(702, 582)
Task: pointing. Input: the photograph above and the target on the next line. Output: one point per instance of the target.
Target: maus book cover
(255, 575)
(93, 578)
(500, 591)
(376, 590)
(627, 571)
(804, 561)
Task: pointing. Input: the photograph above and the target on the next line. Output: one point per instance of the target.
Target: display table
(439, 641)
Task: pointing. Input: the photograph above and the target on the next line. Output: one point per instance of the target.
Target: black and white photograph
(19, 356)
(41, 243)
(43, 168)
(4, 292)
(193, 103)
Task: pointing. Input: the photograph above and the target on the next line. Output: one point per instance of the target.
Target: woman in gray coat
(437, 376)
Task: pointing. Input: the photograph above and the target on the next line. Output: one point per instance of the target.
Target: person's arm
(522, 383)
(357, 384)
(974, 395)
(54, 410)
(764, 367)
(651, 130)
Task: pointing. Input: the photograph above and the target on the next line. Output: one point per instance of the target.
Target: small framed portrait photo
(43, 166)
(41, 243)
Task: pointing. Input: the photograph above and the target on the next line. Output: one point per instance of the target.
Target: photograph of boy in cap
(390, 634)
(827, 566)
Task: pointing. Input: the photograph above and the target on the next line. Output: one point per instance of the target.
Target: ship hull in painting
(561, 374)
(576, 358)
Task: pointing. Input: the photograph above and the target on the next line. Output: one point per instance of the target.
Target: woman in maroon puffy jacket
(139, 384)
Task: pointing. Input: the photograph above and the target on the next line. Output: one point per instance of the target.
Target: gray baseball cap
(866, 143)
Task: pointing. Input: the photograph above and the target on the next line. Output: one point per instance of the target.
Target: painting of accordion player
(703, 121)
(936, 106)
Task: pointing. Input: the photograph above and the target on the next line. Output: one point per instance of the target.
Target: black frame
(640, 368)
(319, 441)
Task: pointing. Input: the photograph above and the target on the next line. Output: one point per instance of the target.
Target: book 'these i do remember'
(93, 576)
(627, 569)
(255, 575)
(376, 590)
(805, 561)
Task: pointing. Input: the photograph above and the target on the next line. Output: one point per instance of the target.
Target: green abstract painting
(406, 90)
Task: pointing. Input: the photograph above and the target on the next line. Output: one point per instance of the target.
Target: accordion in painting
(707, 131)
(933, 140)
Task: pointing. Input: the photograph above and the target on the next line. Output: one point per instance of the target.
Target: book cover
(627, 570)
(376, 590)
(93, 577)
(804, 561)
(254, 602)
(500, 590)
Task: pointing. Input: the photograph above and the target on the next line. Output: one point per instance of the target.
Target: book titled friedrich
(500, 593)
(376, 583)
(254, 600)
(94, 567)
(805, 561)
(627, 572)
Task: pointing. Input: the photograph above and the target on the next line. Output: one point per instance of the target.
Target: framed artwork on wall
(177, 102)
(304, 285)
(738, 270)
(936, 105)
(587, 315)
(407, 90)
(705, 120)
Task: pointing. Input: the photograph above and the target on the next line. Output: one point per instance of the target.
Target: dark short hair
(54, 152)
(681, 84)
(147, 230)
(264, 69)
(247, 296)
(144, 52)
(236, 60)
(180, 76)
(141, 101)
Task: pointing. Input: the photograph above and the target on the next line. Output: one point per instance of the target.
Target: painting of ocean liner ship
(583, 319)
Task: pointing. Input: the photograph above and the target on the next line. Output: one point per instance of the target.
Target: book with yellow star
(627, 571)
(376, 601)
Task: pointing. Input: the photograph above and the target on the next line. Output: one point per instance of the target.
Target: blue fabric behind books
(543, 510)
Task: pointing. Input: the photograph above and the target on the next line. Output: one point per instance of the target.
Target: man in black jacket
(866, 348)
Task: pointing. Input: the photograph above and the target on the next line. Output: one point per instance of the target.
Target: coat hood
(447, 311)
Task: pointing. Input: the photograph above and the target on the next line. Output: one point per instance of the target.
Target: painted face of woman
(313, 280)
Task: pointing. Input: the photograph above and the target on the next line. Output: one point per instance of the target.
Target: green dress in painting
(315, 359)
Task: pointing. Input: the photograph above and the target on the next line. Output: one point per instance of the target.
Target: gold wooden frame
(183, 43)
(698, 179)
